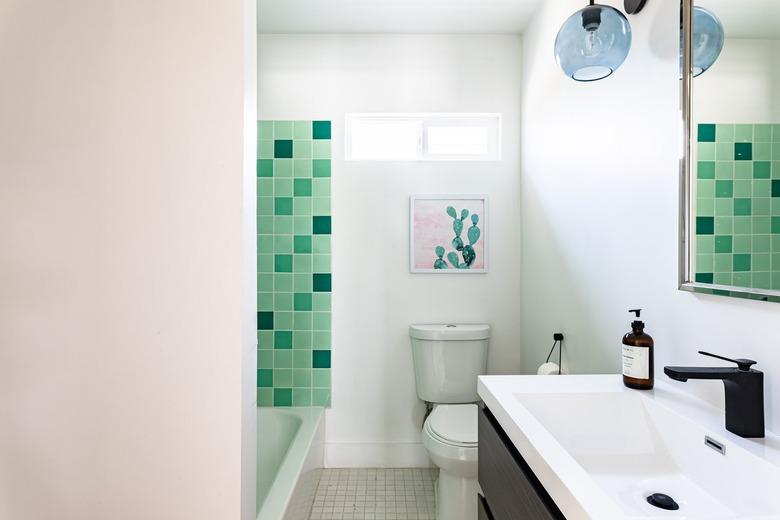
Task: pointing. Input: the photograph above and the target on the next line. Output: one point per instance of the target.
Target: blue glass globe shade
(708, 38)
(593, 43)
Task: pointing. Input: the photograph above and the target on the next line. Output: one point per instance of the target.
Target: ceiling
(394, 16)
(747, 18)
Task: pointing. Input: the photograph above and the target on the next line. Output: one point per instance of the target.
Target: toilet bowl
(450, 436)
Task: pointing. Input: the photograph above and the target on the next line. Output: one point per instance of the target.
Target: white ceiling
(746, 18)
(394, 16)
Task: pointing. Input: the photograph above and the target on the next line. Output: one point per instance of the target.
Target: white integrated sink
(601, 449)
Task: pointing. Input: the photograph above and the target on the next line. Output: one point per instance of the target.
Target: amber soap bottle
(638, 356)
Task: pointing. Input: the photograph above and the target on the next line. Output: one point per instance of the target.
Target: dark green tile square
(724, 189)
(706, 133)
(302, 301)
(302, 244)
(762, 169)
(741, 263)
(743, 207)
(723, 244)
(775, 187)
(743, 151)
(320, 130)
(265, 167)
(283, 339)
(265, 378)
(283, 263)
(302, 187)
(321, 225)
(283, 206)
(282, 396)
(283, 149)
(776, 225)
(265, 321)
(705, 277)
(321, 168)
(705, 225)
(321, 282)
(320, 359)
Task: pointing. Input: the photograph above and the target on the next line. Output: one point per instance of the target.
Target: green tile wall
(738, 205)
(293, 263)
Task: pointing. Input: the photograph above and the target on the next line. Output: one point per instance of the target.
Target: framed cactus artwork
(448, 234)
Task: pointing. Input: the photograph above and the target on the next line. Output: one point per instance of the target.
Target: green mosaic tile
(302, 206)
(743, 133)
(302, 320)
(265, 301)
(321, 244)
(321, 264)
(321, 321)
(775, 151)
(283, 149)
(742, 225)
(321, 150)
(282, 359)
(321, 282)
(301, 225)
(321, 187)
(265, 397)
(265, 130)
(776, 225)
(320, 359)
(724, 207)
(301, 396)
(742, 279)
(762, 206)
(704, 278)
(761, 152)
(265, 339)
(265, 225)
(265, 149)
(742, 243)
(265, 187)
(265, 282)
(283, 282)
(724, 133)
(722, 279)
(302, 359)
(724, 189)
(743, 170)
(705, 151)
(775, 188)
(761, 225)
(283, 263)
(282, 396)
(706, 170)
(761, 262)
(283, 301)
(320, 397)
(283, 244)
(283, 168)
(265, 168)
(321, 225)
(322, 301)
(302, 168)
(282, 339)
(321, 339)
(705, 189)
(320, 206)
(705, 263)
(283, 320)
(302, 283)
(265, 206)
(283, 225)
(723, 244)
(265, 244)
(265, 320)
(302, 263)
(283, 205)
(321, 130)
(741, 262)
(302, 188)
(302, 149)
(743, 189)
(302, 244)
(320, 376)
(321, 168)
(742, 207)
(762, 280)
(282, 376)
(302, 377)
(265, 263)
(302, 301)
(724, 151)
(302, 130)
(762, 169)
(706, 133)
(283, 187)
(302, 339)
(741, 152)
(723, 263)
(265, 359)
(724, 170)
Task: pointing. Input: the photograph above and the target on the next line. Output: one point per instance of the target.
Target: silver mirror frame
(687, 236)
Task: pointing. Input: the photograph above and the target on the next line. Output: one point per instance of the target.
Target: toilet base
(456, 497)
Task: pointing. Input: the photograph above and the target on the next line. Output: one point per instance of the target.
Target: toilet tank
(447, 361)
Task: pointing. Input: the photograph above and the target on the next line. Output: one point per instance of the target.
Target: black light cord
(560, 353)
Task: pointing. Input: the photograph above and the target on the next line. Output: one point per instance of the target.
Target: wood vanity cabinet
(510, 490)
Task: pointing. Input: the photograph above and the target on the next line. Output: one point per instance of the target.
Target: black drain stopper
(662, 501)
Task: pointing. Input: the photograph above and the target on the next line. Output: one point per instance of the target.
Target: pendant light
(707, 42)
(593, 42)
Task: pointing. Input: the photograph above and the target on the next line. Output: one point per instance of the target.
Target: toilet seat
(454, 425)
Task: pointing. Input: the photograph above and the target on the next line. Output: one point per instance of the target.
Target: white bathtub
(290, 455)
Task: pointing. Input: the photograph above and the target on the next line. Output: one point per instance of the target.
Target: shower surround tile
(738, 205)
(293, 263)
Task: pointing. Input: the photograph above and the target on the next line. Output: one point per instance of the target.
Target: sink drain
(663, 502)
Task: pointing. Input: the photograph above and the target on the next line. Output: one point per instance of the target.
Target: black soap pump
(638, 356)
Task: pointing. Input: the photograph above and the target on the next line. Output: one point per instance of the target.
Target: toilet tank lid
(450, 332)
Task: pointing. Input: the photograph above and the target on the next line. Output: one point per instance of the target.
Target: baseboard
(376, 455)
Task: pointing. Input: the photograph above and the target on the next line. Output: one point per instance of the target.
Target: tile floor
(375, 494)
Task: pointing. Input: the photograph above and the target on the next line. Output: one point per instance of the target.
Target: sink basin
(601, 449)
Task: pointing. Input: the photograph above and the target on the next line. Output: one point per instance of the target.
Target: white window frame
(491, 121)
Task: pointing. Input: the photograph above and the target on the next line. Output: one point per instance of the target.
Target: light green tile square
(302, 320)
(742, 279)
(282, 376)
(705, 151)
(283, 187)
(321, 378)
(265, 282)
(265, 130)
(743, 225)
(776, 207)
(302, 206)
(762, 244)
(320, 244)
(743, 244)
(301, 377)
(302, 283)
(705, 244)
(762, 134)
(743, 170)
(762, 206)
(302, 358)
(265, 397)
(302, 149)
(321, 187)
(724, 170)
(321, 339)
(283, 244)
(775, 243)
(283, 168)
(743, 133)
(776, 151)
(283, 320)
(321, 321)
(283, 129)
(265, 225)
(302, 225)
(724, 152)
(724, 225)
(321, 149)
(301, 396)
(302, 130)
(283, 282)
(320, 397)
(302, 263)
(724, 133)
(265, 244)
(265, 339)
(705, 263)
(762, 280)
(265, 301)
(265, 358)
(321, 264)
(743, 189)
(283, 301)
(723, 263)
(282, 359)
(705, 189)
(302, 168)
(321, 206)
(761, 261)
(265, 206)
(302, 339)
(265, 187)
(283, 225)
(265, 263)
(265, 149)
(322, 301)
(776, 133)
(776, 262)
(724, 207)
(762, 151)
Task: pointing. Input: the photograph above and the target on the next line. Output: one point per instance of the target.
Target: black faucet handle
(743, 364)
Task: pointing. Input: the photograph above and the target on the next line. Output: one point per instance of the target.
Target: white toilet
(447, 361)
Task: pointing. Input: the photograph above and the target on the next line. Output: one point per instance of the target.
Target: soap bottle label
(636, 362)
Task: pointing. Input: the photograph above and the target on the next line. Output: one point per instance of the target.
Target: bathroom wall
(376, 417)
(127, 305)
(600, 214)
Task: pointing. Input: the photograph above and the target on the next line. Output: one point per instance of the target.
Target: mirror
(730, 219)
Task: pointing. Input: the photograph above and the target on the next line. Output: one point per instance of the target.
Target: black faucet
(744, 392)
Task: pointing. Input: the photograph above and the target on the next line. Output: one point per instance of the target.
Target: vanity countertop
(600, 449)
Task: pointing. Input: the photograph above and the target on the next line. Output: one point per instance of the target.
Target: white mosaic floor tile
(375, 494)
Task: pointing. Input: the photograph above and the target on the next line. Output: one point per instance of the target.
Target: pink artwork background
(433, 227)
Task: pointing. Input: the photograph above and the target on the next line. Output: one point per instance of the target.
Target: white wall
(127, 265)
(600, 215)
(376, 417)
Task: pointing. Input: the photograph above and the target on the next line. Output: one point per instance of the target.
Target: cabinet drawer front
(483, 513)
(510, 487)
